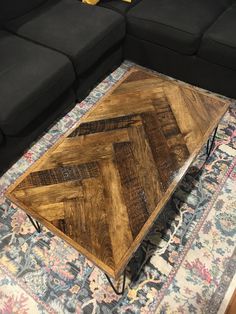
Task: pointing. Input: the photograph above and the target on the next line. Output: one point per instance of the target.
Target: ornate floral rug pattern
(190, 252)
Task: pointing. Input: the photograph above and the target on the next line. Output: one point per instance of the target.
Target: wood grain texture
(103, 184)
(231, 308)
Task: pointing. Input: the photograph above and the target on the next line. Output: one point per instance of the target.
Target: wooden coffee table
(101, 187)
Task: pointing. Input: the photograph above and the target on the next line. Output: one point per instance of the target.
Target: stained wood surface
(103, 184)
(231, 308)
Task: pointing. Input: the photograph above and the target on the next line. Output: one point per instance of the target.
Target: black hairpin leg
(139, 259)
(123, 284)
(35, 224)
(210, 144)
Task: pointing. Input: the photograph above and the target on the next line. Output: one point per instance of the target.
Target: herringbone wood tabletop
(102, 186)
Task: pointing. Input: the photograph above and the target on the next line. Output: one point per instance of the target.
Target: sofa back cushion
(10, 9)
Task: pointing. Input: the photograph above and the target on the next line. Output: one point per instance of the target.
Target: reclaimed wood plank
(160, 150)
(119, 227)
(146, 168)
(133, 192)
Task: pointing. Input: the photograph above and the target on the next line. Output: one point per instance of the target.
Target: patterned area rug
(190, 252)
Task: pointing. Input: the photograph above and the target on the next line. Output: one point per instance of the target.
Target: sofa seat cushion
(13, 8)
(177, 25)
(31, 78)
(219, 43)
(80, 31)
(118, 5)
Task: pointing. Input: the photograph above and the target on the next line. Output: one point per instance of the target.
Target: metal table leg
(35, 224)
(114, 288)
(210, 144)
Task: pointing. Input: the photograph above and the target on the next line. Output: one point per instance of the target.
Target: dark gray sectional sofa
(193, 40)
(53, 52)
